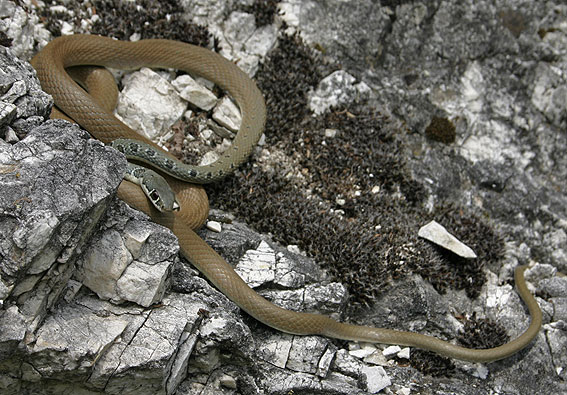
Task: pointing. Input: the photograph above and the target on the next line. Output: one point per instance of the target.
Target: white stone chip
(391, 350)
(330, 132)
(363, 351)
(437, 234)
(376, 378)
(214, 226)
(194, 93)
(208, 158)
(257, 266)
(227, 114)
(405, 353)
(149, 104)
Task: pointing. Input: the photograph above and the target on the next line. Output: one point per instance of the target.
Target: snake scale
(64, 52)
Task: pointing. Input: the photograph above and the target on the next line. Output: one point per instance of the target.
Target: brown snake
(77, 50)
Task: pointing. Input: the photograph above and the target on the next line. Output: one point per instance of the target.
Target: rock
(391, 350)
(24, 105)
(376, 378)
(338, 88)
(57, 183)
(194, 93)
(257, 266)
(404, 353)
(23, 28)
(149, 104)
(214, 226)
(227, 114)
(437, 234)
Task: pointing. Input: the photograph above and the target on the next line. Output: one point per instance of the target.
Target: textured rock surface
(73, 316)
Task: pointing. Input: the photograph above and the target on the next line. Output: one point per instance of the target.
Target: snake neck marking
(154, 186)
(146, 153)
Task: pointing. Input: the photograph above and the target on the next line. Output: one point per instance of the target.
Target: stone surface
(149, 104)
(503, 90)
(194, 93)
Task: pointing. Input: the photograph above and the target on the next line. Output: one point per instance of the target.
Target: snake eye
(154, 195)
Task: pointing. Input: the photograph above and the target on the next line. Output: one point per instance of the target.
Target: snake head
(159, 192)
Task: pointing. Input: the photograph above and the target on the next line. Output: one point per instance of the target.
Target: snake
(66, 52)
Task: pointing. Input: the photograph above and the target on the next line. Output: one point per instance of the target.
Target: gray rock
(503, 90)
(20, 88)
(149, 104)
(56, 184)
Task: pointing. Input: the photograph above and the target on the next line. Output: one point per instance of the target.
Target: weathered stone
(149, 104)
(436, 233)
(194, 93)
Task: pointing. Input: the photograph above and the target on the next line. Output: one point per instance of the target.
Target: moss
(481, 333)
(447, 270)
(122, 19)
(5, 41)
(431, 364)
(442, 130)
(264, 11)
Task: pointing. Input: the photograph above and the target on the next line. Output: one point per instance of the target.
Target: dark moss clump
(446, 270)
(263, 11)
(122, 19)
(442, 130)
(430, 363)
(5, 41)
(289, 73)
(482, 333)
(358, 170)
(357, 247)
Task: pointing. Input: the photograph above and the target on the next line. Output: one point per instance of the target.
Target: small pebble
(214, 226)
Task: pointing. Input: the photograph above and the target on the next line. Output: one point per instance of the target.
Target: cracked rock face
(95, 299)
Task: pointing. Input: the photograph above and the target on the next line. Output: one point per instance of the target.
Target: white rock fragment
(376, 358)
(208, 158)
(294, 248)
(330, 133)
(215, 226)
(363, 351)
(275, 349)
(391, 350)
(477, 370)
(336, 89)
(437, 234)
(227, 114)
(104, 263)
(66, 28)
(142, 283)
(149, 104)
(376, 378)
(285, 275)
(405, 353)
(194, 93)
(257, 266)
(325, 362)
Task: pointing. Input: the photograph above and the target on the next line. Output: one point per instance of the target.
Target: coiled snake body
(68, 51)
